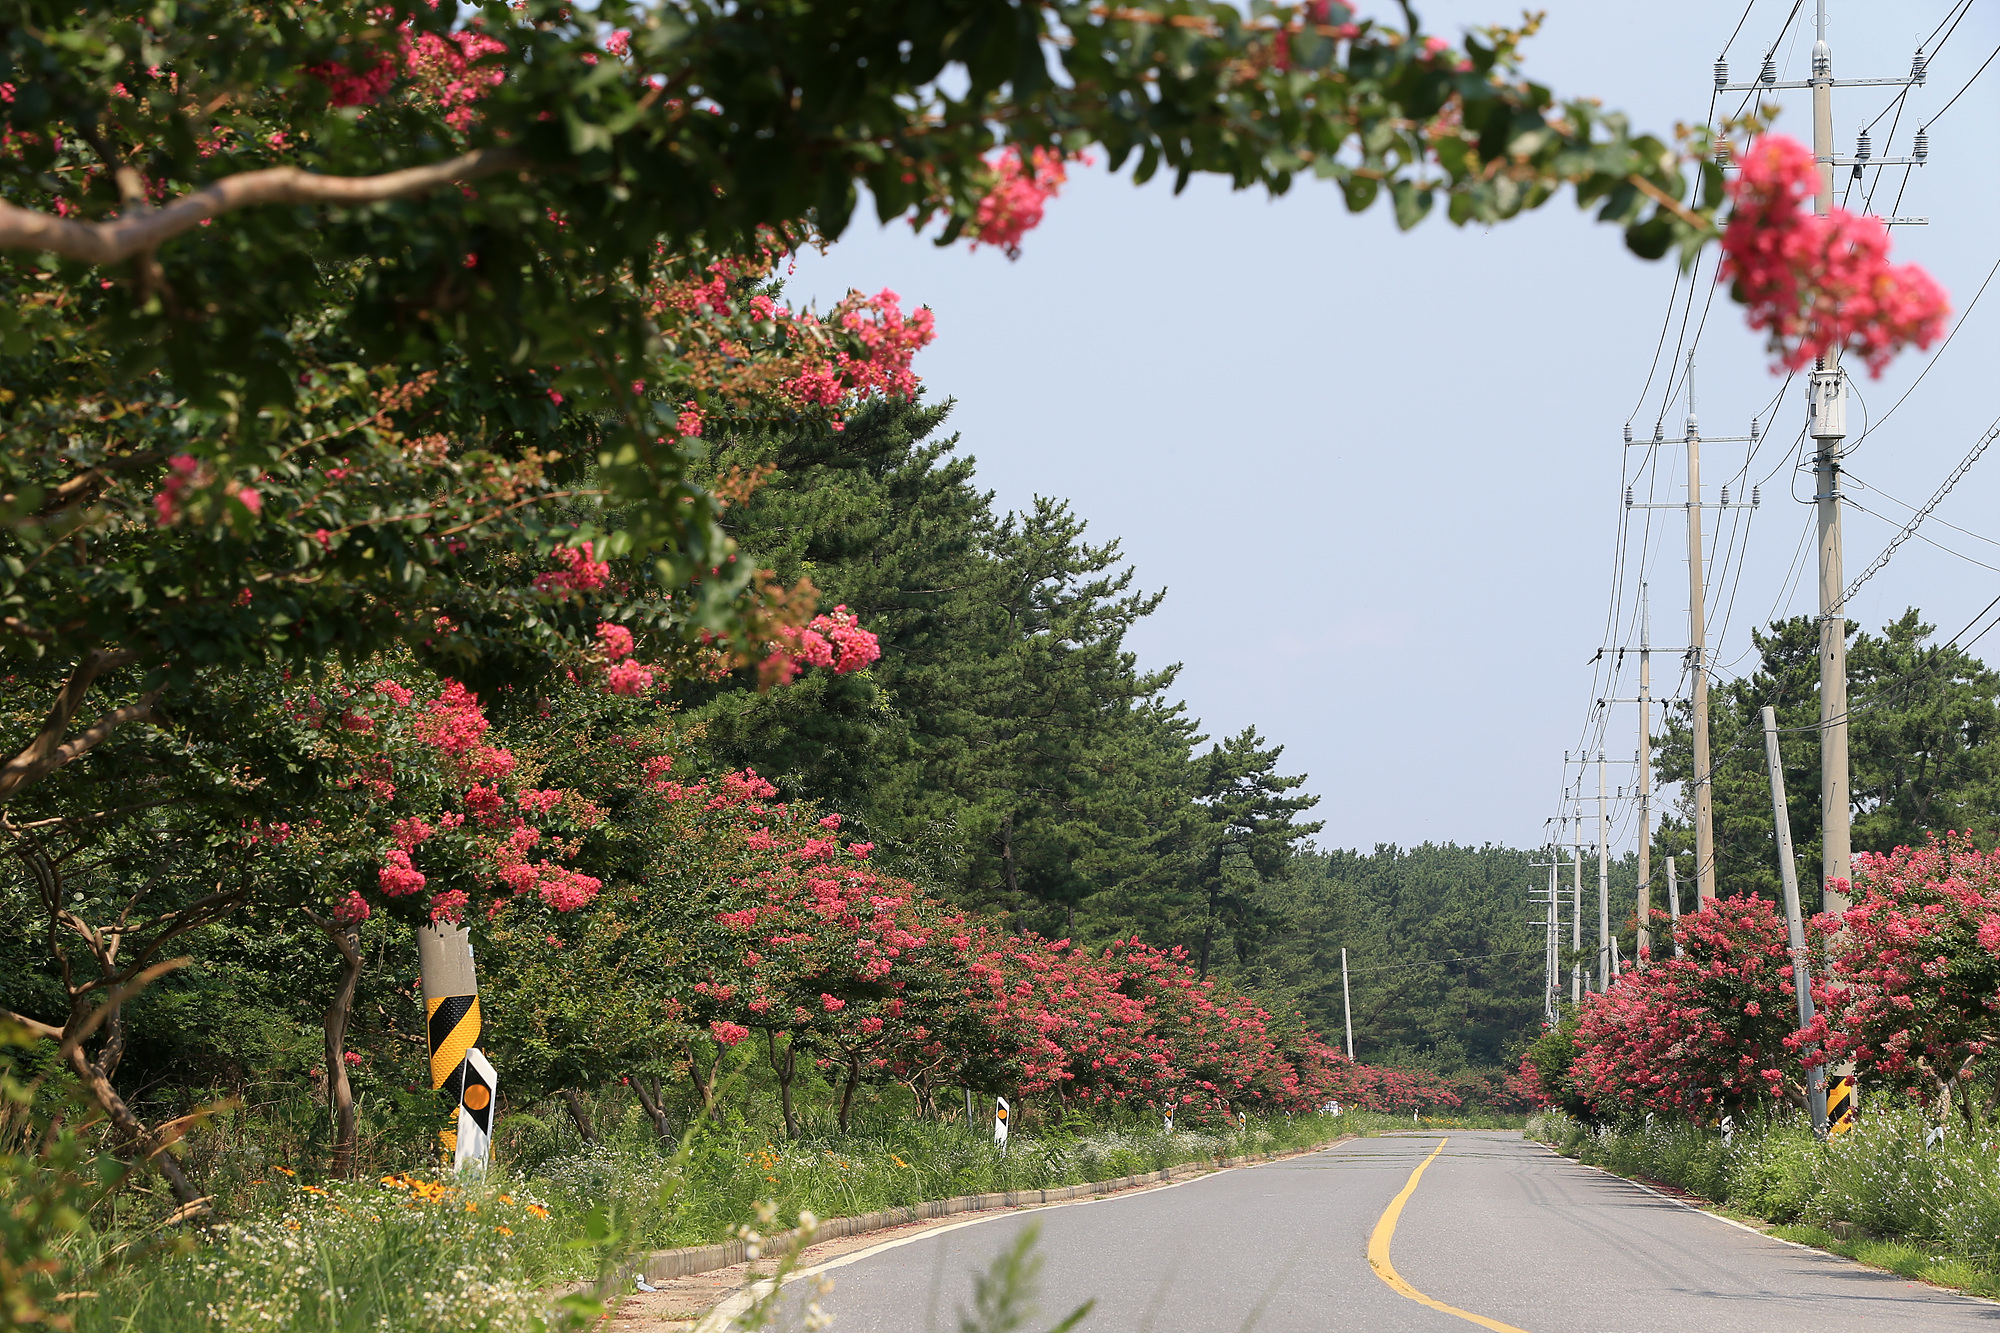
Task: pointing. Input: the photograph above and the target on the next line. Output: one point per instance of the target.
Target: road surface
(1498, 1233)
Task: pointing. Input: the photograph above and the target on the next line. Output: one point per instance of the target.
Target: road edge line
(1745, 1226)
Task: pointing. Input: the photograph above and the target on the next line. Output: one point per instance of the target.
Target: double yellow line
(1378, 1254)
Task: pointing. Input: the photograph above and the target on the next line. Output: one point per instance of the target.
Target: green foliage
(1007, 751)
(1924, 737)
(1440, 951)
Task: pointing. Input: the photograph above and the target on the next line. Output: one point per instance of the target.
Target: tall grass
(425, 1252)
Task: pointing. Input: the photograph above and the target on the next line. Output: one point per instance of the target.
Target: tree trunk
(655, 1105)
(784, 1069)
(847, 1092)
(704, 1086)
(131, 1134)
(1008, 870)
(580, 1114)
(339, 1014)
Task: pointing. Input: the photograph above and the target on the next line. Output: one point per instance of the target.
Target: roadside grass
(1880, 1195)
(425, 1251)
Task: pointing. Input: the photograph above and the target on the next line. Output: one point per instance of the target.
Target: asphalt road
(1497, 1227)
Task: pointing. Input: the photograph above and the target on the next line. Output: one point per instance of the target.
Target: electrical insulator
(1753, 428)
(1693, 431)
(1822, 61)
(1725, 497)
(1628, 432)
(1722, 154)
(1628, 497)
(1722, 71)
(1769, 74)
(1922, 148)
(1919, 67)
(1864, 148)
(1756, 496)
(1659, 432)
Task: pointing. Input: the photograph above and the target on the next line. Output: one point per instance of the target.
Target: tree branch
(118, 239)
(48, 751)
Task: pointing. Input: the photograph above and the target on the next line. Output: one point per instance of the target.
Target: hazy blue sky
(1380, 473)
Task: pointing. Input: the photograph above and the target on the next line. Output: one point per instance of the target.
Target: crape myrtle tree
(1700, 1035)
(1914, 998)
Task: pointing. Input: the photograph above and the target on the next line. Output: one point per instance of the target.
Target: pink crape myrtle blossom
(834, 640)
(1013, 207)
(398, 878)
(1817, 285)
(629, 678)
(351, 910)
(575, 571)
(614, 641)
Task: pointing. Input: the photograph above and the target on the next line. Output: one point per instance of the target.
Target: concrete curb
(662, 1265)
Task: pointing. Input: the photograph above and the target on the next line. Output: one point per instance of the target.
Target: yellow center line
(1378, 1253)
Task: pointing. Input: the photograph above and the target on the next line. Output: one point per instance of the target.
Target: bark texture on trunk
(655, 1105)
(580, 1114)
(847, 1092)
(785, 1067)
(339, 1014)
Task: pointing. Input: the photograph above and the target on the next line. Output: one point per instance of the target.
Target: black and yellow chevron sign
(1840, 1106)
(454, 1030)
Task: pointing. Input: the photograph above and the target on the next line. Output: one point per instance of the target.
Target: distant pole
(1674, 904)
(1702, 777)
(1603, 882)
(1346, 1004)
(1644, 907)
(1551, 967)
(1788, 871)
(1576, 913)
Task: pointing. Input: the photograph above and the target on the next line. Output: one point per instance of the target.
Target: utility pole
(1644, 905)
(1576, 910)
(1603, 883)
(1702, 778)
(1788, 873)
(1552, 969)
(1346, 1005)
(1828, 407)
(1704, 786)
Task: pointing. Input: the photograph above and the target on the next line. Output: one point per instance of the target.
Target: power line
(1961, 92)
(1910, 529)
(1958, 324)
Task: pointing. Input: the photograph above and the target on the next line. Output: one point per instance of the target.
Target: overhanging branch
(118, 239)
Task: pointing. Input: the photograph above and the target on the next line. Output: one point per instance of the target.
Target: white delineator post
(1794, 923)
(1000, 1113)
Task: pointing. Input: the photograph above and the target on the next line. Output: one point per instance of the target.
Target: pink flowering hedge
(573, 841)
(1905, 983)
